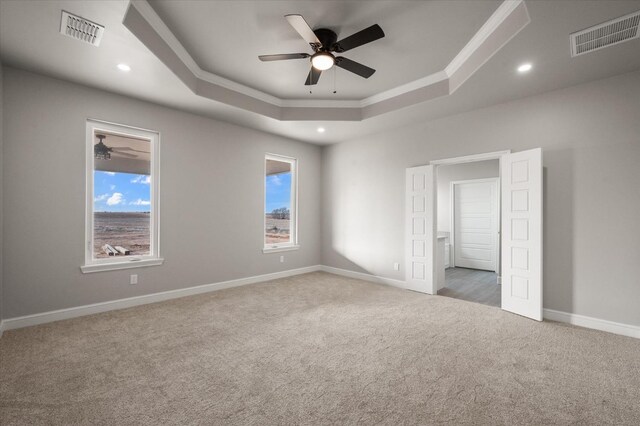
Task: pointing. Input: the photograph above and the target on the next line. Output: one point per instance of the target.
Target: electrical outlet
(133, 279)
(396, 266)
(281, 259)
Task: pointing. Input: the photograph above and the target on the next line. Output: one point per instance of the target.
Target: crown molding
(504, 24)
(495, 20)
(420, 83)
(165, 33)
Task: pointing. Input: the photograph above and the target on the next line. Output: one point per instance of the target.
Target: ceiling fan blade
(283, 56)
(127, 148)
(124, 154)
(365, 36)
(354, 67)
(313, 77)
(300, 25)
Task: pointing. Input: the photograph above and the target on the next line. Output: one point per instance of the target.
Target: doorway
(520, 219)
(468, 204)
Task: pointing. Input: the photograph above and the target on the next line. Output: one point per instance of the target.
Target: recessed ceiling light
(321, 129)
(525, 67)
(124, 67)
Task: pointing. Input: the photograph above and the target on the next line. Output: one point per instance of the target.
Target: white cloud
(112, 187)
(144, 179)
(275, 180)
(111, 173)
(101, 197)
(115, 199)
(140, 202)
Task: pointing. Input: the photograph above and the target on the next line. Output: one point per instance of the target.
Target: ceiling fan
(324, 44)
(103, 152)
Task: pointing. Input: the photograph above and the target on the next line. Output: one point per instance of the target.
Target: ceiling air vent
(606, 34)
(81, 29)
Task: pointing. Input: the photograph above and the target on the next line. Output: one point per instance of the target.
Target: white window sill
(100, 267)
(281, 248)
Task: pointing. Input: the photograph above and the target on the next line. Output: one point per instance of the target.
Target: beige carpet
(316, 349)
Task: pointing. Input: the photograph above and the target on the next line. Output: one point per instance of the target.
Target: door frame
(452, 221)
(523, 176)
(495, 155)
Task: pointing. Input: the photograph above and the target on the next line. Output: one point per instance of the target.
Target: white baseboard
(593, 323)
(61, 314)
(46, 317)
(549, 314)
(363, 276)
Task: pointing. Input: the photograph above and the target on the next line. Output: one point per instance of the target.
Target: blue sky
(121, 192)
(278, 192)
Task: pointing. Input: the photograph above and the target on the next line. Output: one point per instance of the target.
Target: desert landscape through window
(122, 196)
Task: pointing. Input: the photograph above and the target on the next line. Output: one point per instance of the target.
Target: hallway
(472, 285)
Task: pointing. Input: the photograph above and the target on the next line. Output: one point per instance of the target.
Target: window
(122, 197)
(280, 207)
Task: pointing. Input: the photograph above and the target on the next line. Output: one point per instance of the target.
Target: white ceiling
(226, 37)
(544, 42)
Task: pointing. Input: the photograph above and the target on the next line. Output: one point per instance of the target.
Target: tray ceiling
(226, 37)
(503, 24)
(544, 42)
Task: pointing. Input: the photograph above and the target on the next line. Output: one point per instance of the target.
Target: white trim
(320, 103)
(158, 24)
(495, 155)
(165, 33)
(132, 263)
(293, 210)
(495, 21)
(549, 314)
(592, 323)
(489, 179)
(95, 308)
(472, 158)
(365, 277)
(277, 249)
(61, 314)
(95, 265)
(489, 27)
(429, 80)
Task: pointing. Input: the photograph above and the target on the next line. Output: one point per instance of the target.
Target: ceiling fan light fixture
(322, 61)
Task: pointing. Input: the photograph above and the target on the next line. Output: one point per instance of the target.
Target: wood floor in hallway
(472, 285)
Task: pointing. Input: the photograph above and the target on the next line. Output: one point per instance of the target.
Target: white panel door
(475, 213)
(522, 233)
(420, 229)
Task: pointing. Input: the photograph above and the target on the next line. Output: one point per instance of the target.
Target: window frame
(293, 226)
(113, 263)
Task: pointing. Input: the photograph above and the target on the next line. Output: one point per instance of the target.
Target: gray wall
(211, 212)
(454, 172)
(590, 135)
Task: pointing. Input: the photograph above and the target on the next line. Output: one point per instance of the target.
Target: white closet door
(420, 223)
(522, 233)
(476, 223)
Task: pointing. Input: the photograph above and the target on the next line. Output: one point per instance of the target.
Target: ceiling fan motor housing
(328, 39)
